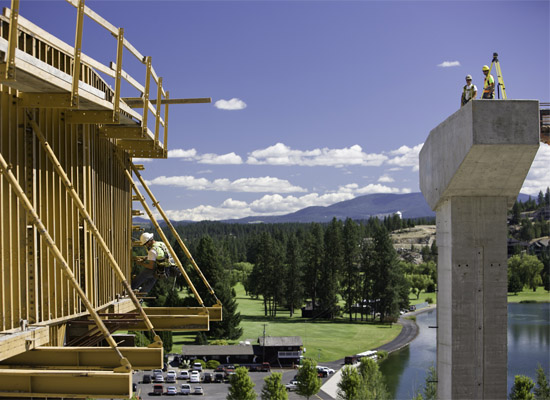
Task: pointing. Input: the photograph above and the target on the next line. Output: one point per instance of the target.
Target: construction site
(67, 191)
(70, 127)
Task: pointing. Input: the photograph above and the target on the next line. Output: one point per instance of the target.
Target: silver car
(198, 390)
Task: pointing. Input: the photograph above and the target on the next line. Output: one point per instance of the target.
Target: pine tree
(294, 285)
(228, 327)
(209, 263)
(350, 281)
(330, 271)
(521, 390)
(273, 387)
(542, 390)
(314, 253)
(372, 381)
(348, 387)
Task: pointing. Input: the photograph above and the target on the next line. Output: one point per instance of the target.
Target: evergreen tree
(330, 271)
(348, 387)
(386, 285)
(294, 285)
(209, 263)
(242, 387)
(369, 276)
(314, 254)
(308, 381)
(542, 390)
(521, 390)
(228, 327)
(273, 387)
(350, 281)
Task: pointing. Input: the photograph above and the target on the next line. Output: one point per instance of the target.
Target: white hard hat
(469, 77)
(145, 237)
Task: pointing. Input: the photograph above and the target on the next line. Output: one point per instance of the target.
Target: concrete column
(472, 167)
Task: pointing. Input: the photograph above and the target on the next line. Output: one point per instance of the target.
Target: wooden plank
(137, 102)
(123, 132)
(129, 79)
(17, 342)
(89, 358)
(64, 383)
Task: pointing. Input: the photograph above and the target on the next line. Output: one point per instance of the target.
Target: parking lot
(214, 391)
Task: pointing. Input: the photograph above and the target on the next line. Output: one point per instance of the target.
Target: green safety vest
(163, 258)
(489, 80)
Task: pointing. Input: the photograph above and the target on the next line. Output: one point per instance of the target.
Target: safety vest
(163, 257)
(489, 80)
(469, 92)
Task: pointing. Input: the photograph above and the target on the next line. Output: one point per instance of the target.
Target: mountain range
(411, 205)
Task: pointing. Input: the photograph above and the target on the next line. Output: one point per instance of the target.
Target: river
(528, 345)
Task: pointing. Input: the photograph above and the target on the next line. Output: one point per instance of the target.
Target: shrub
(429, 300)
(203, 363)
(382, 354)
(212, 364)
(219, 342)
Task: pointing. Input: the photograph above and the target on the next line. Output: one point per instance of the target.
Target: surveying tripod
(496, 63)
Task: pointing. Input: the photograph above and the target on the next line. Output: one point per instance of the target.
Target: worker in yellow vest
(158, 264)
(469, 92)
(488, 84)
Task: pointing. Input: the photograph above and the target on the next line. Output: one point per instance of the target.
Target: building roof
(276, 341)
(229, 350)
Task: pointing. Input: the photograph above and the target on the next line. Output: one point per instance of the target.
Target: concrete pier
(472, 167)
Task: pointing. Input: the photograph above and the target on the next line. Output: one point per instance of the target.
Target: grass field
(323, 340)
(540, 296)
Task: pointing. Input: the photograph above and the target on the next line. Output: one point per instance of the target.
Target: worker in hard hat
(469, 92)
(158, 263)
(488, 84)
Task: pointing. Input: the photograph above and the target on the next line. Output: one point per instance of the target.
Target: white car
(197, 367)
(195, 377)
(171, 376)
(158, 378)
(329, 371)
(198, 390)
(185, 388)
(171, 391)
(183, 375)
(292, 386)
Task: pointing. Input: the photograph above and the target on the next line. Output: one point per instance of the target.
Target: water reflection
(528, 345)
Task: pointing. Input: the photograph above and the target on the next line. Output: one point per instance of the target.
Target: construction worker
(158, 264)
(469, 92)
(488, 84)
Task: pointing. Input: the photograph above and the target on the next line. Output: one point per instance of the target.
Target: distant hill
(411, 205)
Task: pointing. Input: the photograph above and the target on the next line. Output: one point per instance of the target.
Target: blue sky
(313, 102)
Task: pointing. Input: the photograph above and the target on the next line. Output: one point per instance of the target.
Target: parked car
(198, 390)
(157, 372)
(146, 378)
(171, 376)
(185, 388)
(321, 373)
(292, 386)
(219, 368)
(183, 374)
(158, 378)
(218, 378)
(329, 371)
(158, 390)
(197, 366)
(171, 391)
(207, 377)
(195, 377)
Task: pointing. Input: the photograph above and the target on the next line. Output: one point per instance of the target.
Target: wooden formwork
(31, 286)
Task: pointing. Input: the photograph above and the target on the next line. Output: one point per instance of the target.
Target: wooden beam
(137, 102)
(45, 100)
(125, 132)
(64, 383)
(12, 344)
(214, 313)
(95, 358)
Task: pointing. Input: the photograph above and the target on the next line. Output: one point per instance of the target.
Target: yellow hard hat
(485, 68)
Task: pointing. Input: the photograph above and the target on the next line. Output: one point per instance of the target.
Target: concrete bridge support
(472, 167)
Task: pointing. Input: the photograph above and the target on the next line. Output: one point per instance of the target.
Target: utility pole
(263, 348)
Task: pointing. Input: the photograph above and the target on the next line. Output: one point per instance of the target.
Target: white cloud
(405, 156)
(137, 160)
(181, 153)
(264, 184)
(274, 204)
(281, 154)
(225, 159)
(233, 104)
(386, 179)
(538, 177)
(354, 188)
(447, 64)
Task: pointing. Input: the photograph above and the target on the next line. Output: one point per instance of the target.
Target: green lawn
(323, 340)
(540, 296)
